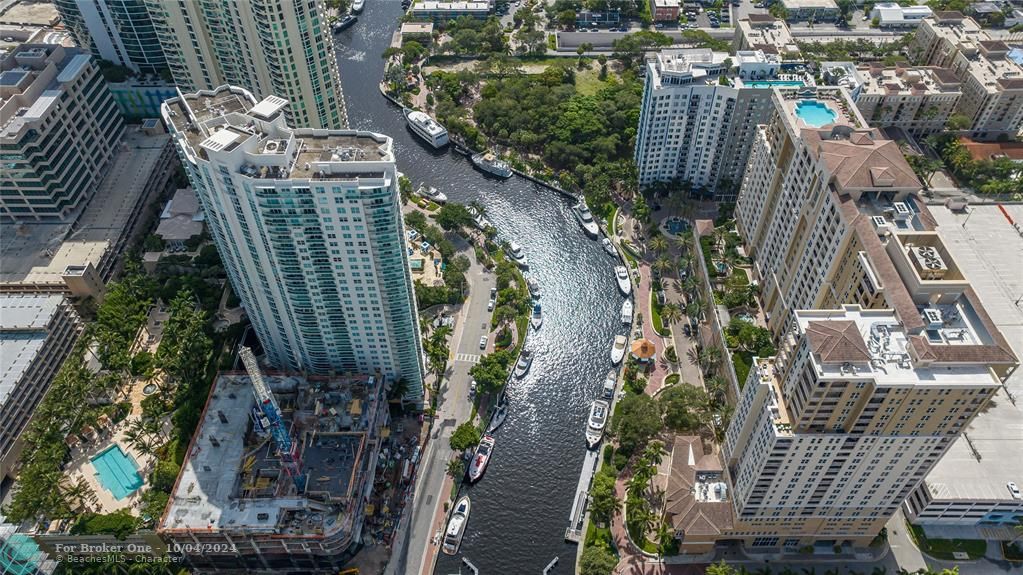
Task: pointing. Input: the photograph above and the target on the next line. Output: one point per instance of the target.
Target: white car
(483, 342)
(490, 305)
(1014, 490)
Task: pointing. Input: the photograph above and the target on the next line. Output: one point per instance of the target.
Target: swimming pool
(815, 113)
(117, 472)
(772, 83)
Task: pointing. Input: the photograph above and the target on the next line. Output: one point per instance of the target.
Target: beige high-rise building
(885, 351)
(268, 47)
(918, 99)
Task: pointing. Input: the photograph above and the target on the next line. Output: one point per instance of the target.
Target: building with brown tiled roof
(696, 498)
(917, 99)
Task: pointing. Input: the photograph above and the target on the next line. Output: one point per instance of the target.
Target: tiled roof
(864, 161)
(692, 517)
(837, 341)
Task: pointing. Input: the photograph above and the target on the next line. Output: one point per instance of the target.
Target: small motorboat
(432, 194)
(595, 422)
(534, 286)
(525, 360)
(489, 163)
(624, 281)
(481, 458)
(536, 320)
(499, 415)
(608, 247)
(627, 311)
(456, 527)
(481, 222)
(358, 5)
(608, 391)
(582, 213)
(344, 23)
(618, 349)
(518, 255)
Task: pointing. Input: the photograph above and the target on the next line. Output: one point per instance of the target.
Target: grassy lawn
(598, 536)
(944, 548)
(587, 82)
(613, 224)
(655, 316)
(672, 379)
(743, 362)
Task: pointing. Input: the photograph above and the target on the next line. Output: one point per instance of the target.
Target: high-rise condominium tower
(269, 47)
(309, 227)
(119, 31)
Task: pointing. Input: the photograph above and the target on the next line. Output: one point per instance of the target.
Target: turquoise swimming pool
(117, 471)
(773, 83)
(815, 113)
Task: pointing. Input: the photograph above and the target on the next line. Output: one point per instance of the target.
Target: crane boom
(268, 405)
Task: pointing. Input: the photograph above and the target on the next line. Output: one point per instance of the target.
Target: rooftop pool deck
(117, 471)
(815, 113)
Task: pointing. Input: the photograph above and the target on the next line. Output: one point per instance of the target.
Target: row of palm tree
(640, 503)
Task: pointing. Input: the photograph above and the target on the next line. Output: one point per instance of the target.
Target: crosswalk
(467, 357)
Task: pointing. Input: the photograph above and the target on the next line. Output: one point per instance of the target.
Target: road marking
(468, 357)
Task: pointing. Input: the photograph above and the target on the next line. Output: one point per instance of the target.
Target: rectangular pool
(117, 471)
(772, 83)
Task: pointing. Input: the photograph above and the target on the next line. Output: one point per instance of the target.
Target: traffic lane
(605, 39)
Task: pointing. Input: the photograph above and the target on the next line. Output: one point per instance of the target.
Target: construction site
(278, 474)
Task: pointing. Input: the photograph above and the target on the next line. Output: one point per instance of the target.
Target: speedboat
(480, 458)
(456, 527)
(624, 281)
(344, 23)
(426, 128)
(595, 422)
(627, 311)
(534, 286)
(432, 194)
(478, 218)
(536, 320)
(582, 213)
(619, 347)
(489, 163)
(358, 5)
(499, 415)
(608, 247)
(608, 392)
(525, 360)
(518, 255)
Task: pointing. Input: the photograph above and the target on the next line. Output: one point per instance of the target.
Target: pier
(576, 528)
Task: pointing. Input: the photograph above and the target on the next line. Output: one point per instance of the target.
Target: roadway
(415, 549)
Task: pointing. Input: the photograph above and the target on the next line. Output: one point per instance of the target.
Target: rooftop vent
(902, 211)
(933, 318)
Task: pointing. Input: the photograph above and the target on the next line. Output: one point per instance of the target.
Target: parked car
(483, 342)
(1014, 490)
(687, 330)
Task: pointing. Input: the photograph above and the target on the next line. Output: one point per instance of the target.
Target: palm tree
(690, 285)
(717, 388)
(719, 235)
(662, 265)
(658, 243)
(671, 313)
(696, 308)
(654, 453)
(706, 357)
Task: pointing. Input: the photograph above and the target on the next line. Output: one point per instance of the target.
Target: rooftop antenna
(268, 405)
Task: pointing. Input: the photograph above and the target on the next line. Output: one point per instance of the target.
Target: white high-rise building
(269, 47)
(119, 31)
(309, 226)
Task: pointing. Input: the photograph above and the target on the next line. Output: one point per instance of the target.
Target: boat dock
(576, 528)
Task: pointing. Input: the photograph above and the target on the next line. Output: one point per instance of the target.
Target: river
(521, 507)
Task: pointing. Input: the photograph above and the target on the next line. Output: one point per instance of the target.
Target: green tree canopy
(466, 436)
(685, 407)
(636, 419)
(597, 560)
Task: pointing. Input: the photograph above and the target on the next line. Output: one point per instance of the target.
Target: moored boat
(624, 281)
(536, 320)
(525, 360)
(456, 527)
(595, 422)
(432, 194)
(499, 415)
(534, 286)
(582, 213)
(608, 391)
(618, 349)
(518, 255)
(358, 5)
(490, 164)
(627, 311)
(481, 458)
(608, 246)
(426, 128)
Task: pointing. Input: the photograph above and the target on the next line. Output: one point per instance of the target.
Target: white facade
(118, 31)
(892, 15)
(276, 47)
(309, 227)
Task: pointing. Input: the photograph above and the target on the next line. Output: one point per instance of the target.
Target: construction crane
(268, 405)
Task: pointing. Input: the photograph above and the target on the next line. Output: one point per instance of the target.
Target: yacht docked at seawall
(489, 163)
(595, 422)
(517, 254)
(618, 348)
(624, 281)
(585, 217)
(427, 128)
(456, 527)
(432, 194)
(481, 458)
(536, 319)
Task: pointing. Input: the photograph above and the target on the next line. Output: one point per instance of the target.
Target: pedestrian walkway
(467, 357)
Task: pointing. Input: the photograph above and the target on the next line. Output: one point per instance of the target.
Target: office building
(665, 10)
(893, 15)
(59, 130)
(811, 10)
(309, 228)
(118, 31)
(278, 47)
(36, 334)
(992, 83)
(696, 128)
(919, 100)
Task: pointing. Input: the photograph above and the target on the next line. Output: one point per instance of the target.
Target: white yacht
(582, 213)
(608, 392)
(481, 458)
(627, 311)
(624, 281)
(525, 360)
(536, 320)
(358, 5)
(490, 164)
(499, 415)
(432, 194)
(595, 422)
(456, 527)
(518, 255)
(427, 128)
(608, 247)
(618, 349)
(534, 286)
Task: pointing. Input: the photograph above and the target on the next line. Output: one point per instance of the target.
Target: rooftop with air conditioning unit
(929, 263)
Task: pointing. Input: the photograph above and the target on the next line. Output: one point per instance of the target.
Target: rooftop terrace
(915, 81)
(23, 332)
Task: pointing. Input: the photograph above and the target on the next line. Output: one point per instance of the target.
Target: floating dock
(575, 529)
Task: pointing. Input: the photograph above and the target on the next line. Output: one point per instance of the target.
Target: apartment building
(269, 47)
(36, 334)
(696, 128)
(118, 31)
(917, 99)
(309, 228)
(765, 33)
(992, 83)
(59, 130)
